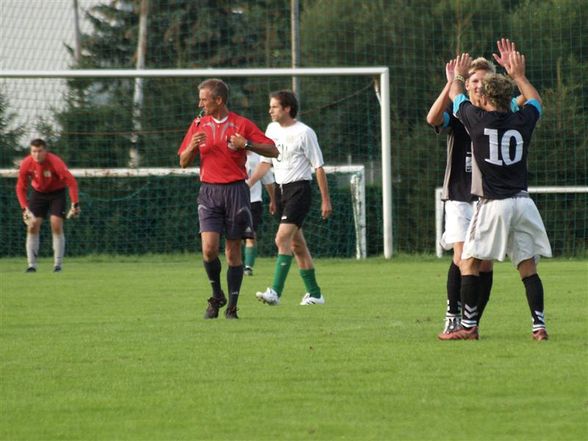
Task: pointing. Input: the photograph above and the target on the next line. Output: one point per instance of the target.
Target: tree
(10, 134)
(96, 125)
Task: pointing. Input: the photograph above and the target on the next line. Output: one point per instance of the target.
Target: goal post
(380, 73)
(439, 211)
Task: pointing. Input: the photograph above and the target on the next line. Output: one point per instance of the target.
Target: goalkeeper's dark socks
(213, 271)
(309, 278)
(534, 291)
(470, 293)
(250, 255)
(234, 280)
(283, 263)
(453, 289)
(486, 279)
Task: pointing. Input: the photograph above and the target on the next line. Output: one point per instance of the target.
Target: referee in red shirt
(222, 139)
(48, 176)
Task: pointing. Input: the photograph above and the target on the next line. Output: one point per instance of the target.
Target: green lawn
(115, 348)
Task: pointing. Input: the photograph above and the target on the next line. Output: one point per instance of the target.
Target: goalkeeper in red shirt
(48, 176)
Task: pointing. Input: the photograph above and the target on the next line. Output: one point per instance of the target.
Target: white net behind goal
(153, 210)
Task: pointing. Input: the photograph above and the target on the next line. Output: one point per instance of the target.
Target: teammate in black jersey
(506, 220)
(457, 183)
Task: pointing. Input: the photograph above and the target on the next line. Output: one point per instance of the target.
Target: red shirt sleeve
(22, 183)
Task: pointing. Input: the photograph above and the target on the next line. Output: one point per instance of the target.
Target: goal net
(134, 198)
(153, 210)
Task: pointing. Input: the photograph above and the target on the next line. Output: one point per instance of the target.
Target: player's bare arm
(462, 65)
(271, 191)
(321, 179)
(239, 142)
(516, 70)
(259, 172)
(435, 115)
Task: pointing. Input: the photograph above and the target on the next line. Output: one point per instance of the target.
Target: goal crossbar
(381, 73)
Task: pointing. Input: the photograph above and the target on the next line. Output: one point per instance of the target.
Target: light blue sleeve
(457, 101)
(536, 104)
(445, 120)
(514, 107)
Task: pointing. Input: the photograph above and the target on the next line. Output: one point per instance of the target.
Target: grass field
(115, 348)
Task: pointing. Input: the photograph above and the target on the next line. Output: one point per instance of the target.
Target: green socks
(310, 283)
(250, 255)
(281, 272)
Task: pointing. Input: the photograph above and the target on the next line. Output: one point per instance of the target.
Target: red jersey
(50, 175)
(218, 163)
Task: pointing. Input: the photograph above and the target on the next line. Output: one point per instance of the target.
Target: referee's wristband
(459, 78)
(248, 145)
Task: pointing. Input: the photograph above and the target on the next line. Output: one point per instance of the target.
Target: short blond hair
(482, 63)
(498, 89)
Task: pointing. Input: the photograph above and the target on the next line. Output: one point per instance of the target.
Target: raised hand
(462, 64)
(505, 48)
(516, 65)
(450, 70)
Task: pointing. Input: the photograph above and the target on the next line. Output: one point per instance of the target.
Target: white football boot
(269, 296)
(308, 300)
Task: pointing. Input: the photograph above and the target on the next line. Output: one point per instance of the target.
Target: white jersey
(268, 178)
(299, 149)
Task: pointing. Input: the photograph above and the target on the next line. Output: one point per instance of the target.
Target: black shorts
(293, 202)
(225, 209)
(257, 214)
(53, 203)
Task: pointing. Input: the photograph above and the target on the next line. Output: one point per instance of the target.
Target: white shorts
(457, 220)
(503, 227)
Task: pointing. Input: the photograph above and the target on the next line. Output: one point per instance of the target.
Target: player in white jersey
(257, 208)
(300, 153)
(506, 221)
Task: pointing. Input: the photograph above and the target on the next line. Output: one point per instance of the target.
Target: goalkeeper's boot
(540, 334)
(214, 304)
(269, 296)
(309, 300)
(57, 269)
(248, 271)
(31, 269)
(452, 323)
(461, 334)
(231, 313)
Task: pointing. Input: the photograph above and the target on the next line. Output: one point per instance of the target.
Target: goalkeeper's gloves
(74, 211)
(28, 217)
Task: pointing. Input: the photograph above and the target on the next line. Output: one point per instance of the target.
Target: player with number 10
(506, 220)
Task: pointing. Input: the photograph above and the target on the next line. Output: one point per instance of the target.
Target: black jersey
(500, 143)
(457, 183)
